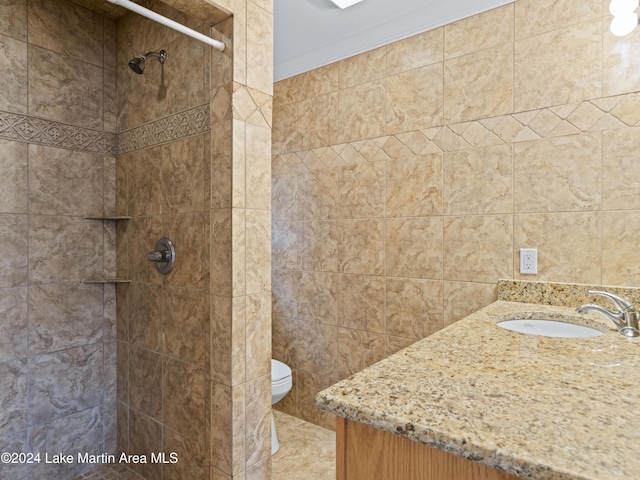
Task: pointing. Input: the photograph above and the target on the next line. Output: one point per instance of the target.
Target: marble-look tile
(313, 83)
(110, 187)
(14, 387)
(309, 386)
(318, 247)
(145, 382)
(146, 311)
(221, 254)
(258, 420)
(489, 237)
(621, 70)
(145, 436)
(65, 382)
(361, 112)
(462, 299)
(416, 51)
(564, 81)
(284, 244)
(317, 297)
(63, 316)
(15, 442)
(414, 99)
(109, 49)
(357, 350)
(414, 247)
(414, 186)
(362, 246)
(182, 173)
(143, 173)
(317, 122)
(316, 194)
(55, 84)
(13, 184)
(54, 25)
(13, 237)
(619, 253)
(258, 167)
(65, 183)
(122, 370)
(110, 426)
(190, 235)
(485, 30)
(228, 428)
(110, 310)
(185, 399)
(284, 133)
(570, 242)
(258, 260)
(361, 190)
(80, 432)
(307, 346)
(258, 335)
(286, 285)
(123, 427)
(479, 180)
(185, 318)
(310, 452)
(558, 174)
(237, 252)
(620, 159)
(361, 303)
(259, 48)
(143, 232)
(14, 331)
(361, 68)
(194, 461)
(259, 471)
(479, 85)
(534, 16)
(13, 61)
(395, 344)
(13, 19)
(413, 307)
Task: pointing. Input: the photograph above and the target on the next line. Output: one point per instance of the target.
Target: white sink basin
(549, 328)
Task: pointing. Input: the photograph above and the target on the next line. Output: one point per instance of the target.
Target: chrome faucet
(625, 317)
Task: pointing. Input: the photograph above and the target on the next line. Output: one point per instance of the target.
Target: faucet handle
(622, 304)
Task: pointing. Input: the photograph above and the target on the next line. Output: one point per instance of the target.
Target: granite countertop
(535, 407)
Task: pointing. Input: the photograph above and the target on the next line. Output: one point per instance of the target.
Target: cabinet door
(366, 453)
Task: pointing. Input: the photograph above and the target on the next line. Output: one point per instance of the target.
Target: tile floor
(307, 452)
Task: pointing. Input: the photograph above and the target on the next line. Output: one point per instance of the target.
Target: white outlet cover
(345, 3)
(529, 261)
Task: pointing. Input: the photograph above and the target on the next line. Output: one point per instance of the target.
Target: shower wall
(407, 178)
(194, 346)
(57, 157)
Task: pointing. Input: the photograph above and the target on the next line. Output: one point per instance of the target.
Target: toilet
(281, 383)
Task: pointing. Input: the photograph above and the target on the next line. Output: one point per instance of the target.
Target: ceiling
(312, 33)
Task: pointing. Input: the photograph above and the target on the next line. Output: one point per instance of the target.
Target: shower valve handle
(164, 256)
(158, 256)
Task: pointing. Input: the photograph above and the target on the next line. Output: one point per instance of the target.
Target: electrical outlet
(529, 261)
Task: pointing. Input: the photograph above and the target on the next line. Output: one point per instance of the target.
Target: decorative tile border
(183, 124)
(30, 129)
(596, 115)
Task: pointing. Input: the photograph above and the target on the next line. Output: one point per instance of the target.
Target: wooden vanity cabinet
(366, 453)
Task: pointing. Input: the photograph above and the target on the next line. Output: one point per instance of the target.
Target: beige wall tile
(317, 194)
(543, 76)
(258, 331)
(479, 181)
(319, 246)
(414, 247)
(14, 330)
(310, 386)
(462, 299)
(416, 51)
(13, 19)
(362, 111)
(186, 316)
(479, 85)
(258, 167)
(619, 248)
(145, 383)
(194, 457)
(621, 69)
(620, 160)
(486, 30)
(362, 68)
(285, 128)
(413, 307)
(567, 243)
(488, 238)
(13, 61)
(182, 170)
(190, 234)
(259, 48)
(414, 99)
(145, 317)
(395, 344)
(318, 296)
(361, 248)
(361, 191)
(533, 17)
(361, 303)
(317, 118)
(258, 420)
(357, 350)
(284, 244)
(414, 186)
(558, 174)
(258, 258)
(13, 183)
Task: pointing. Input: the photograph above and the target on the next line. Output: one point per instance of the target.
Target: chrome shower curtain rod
(134, 7)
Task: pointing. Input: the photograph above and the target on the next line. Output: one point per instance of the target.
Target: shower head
(137, 64)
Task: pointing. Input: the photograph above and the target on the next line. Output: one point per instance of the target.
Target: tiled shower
(98, 163)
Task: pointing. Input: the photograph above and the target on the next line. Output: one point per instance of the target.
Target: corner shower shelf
(121, 217)
(107, 280)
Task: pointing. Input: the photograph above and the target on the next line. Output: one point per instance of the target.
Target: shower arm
(134, 7)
